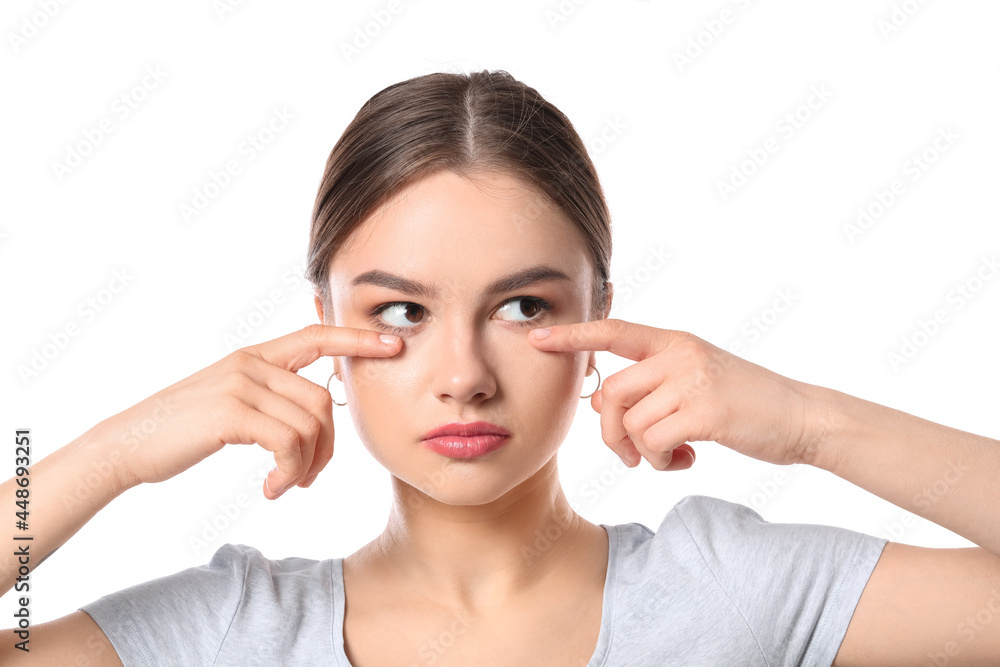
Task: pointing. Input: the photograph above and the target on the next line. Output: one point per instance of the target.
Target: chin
(462, 482)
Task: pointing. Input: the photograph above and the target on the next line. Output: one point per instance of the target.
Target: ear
(592, 359)
(319, 308)
(322, 320)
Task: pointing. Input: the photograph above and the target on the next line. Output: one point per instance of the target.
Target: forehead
(455, 231)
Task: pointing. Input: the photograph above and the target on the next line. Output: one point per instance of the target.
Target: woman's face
(465, 354)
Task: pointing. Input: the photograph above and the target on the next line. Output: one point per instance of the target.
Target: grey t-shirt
(715, 585)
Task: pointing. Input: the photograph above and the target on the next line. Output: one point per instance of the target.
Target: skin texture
(457, 527)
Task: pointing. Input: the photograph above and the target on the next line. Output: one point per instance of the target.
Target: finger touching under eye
(301, 348)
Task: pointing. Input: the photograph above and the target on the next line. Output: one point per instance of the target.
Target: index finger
(626, 339)
(300, 348)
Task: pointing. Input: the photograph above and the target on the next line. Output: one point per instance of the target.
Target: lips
(466, 441)
(468, 430)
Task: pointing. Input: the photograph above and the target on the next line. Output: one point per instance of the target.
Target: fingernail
(541, 333)
(306, 484)
(268, 485)
(388, 339)
(625, 461)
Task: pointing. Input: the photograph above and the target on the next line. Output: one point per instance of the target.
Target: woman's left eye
(537, 308)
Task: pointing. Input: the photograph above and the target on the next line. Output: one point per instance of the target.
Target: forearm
(945, 475)
(66, 489)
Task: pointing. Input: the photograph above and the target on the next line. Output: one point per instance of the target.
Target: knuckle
(661, 463)
(241, 359)
(312, 333)
(616, 326)
(692, 349)
(324, 457)
(287, 437)
(227, 402)
(234, 406)
(629, 422)
(236, 384)
(287, 442)
(311, 426)
(611, 389)
(320, 399)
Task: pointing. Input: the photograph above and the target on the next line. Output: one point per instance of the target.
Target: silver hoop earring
(598, 381)
(331, 393)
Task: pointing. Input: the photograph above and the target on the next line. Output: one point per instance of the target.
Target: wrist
(105, 452)
(827, 422)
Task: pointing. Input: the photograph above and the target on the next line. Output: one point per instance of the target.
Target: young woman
(460, 216)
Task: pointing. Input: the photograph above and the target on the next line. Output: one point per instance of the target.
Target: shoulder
(775, 593)
(274, 579)
(731, 532)
(719, 529)
(234, 572)
(694, 520)
(207, 612)
(250, 557)
(708, 543)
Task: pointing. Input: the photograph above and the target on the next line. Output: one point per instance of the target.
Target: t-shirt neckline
(339, 603)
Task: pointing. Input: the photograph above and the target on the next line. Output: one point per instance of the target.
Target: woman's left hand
(684, 389)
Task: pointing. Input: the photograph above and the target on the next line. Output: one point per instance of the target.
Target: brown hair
(466, 123)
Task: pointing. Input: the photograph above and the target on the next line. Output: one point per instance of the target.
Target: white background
(682, 129)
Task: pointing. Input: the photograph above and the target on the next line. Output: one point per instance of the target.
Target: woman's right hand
(253, 395)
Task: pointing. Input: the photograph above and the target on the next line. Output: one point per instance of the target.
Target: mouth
(465, 441)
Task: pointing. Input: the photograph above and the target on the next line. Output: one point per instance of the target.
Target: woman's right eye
(401, 313)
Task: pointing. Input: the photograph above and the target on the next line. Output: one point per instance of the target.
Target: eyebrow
(508, 283)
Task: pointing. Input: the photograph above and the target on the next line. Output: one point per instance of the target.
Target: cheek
(380, 397)
(543, 389)
(547, 376)
(378, 381)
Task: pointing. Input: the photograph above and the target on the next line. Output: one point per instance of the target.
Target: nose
(464, 366)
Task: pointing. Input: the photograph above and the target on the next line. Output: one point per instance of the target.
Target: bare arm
(945, 475)
(67, 488)
(920, 605)
(74, 639)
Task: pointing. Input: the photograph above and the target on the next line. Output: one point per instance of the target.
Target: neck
(474, 556)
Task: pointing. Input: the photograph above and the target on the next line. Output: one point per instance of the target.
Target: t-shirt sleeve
(182, 618)
(797, 585)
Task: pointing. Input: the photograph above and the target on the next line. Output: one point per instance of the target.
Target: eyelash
(545, 306)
